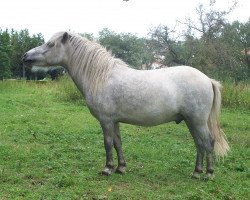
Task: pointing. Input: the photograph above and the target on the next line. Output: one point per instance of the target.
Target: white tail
(221, 146)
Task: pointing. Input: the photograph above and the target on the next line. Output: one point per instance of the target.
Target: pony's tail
(221, 146)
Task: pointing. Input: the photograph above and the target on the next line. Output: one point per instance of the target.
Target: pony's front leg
(108, 132)
(118, 147)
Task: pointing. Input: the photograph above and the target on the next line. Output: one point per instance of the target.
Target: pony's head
(49, 54)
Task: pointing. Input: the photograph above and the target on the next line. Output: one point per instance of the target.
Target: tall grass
(236, 96)
(66, 90)
(63, 89)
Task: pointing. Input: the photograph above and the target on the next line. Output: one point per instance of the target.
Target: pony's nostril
(24, 57)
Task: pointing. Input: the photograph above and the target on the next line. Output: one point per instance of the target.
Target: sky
(91, 16)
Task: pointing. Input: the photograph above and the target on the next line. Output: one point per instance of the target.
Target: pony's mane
(91, 60)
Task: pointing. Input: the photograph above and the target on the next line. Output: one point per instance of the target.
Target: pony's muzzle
(27, 61)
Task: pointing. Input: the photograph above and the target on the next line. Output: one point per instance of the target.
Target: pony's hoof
(196, 175)
(107, 171)
(120, 170)
(209, 176)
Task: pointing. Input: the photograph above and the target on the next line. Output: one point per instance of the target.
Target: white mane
(91, 61)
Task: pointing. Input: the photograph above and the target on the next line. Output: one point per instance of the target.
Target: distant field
(52, 148)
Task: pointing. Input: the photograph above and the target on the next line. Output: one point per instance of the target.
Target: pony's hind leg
(118, 147)
(209, 147)
(204, 143)
(210, 169)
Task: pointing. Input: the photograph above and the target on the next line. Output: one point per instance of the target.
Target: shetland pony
(116, 93)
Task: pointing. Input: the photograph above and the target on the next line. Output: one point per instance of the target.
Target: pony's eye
(50, 44)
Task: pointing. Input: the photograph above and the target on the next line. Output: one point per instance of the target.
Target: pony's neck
(89, 64)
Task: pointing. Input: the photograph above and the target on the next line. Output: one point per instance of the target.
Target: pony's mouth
(29, 63)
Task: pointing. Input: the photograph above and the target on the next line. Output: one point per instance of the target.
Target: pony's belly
(148, 120)
(147, 114)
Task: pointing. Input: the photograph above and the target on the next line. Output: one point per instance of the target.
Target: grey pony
(116, 93)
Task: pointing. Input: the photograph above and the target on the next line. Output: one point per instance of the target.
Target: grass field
(52, 148)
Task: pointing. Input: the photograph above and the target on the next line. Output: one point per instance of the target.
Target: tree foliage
(5, 50)
(211, 44)
(13, 45)
(126, 46)
(166, 44)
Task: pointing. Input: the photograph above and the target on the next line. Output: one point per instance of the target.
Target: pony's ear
(65, 37)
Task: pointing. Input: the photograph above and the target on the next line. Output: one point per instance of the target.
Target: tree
(89, 36)
(13, 45)
(5, 49)
(210, 21)
(173, 48)
(126, 46)
(22, 42)
(209, 43)
(237, 37)
(219, 45)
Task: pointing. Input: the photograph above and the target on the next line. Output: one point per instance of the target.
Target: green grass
(52, 148)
